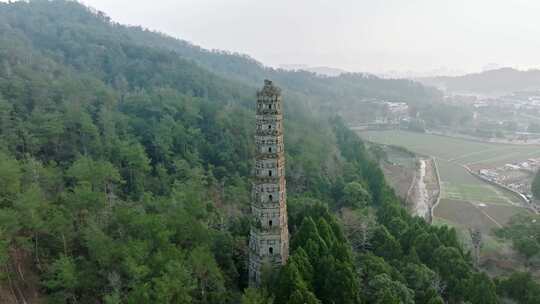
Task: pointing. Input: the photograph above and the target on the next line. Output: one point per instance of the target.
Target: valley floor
(467, 202)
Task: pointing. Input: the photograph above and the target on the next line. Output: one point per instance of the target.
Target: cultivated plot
(466, 201)
(455, 150)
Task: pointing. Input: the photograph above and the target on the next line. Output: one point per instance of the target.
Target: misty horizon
(420, 37)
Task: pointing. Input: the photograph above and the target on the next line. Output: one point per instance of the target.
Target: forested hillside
(501, 81)
(125, 161)
(340, 92)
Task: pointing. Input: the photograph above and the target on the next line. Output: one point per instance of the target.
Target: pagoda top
(269, 89)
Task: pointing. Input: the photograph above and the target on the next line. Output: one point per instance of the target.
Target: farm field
(456, 150)
(466, 201)
(399, 170)
(451, 154)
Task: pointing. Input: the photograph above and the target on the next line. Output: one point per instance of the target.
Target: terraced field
(466, 201)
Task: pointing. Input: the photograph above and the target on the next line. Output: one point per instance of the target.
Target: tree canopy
(535, 187)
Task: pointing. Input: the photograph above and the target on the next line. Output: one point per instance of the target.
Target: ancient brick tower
(269, 237)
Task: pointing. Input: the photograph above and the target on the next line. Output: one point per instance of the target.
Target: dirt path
(421, 197)
(425, 190)
(439, 185)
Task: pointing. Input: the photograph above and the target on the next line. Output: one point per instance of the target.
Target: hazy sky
(357, 35)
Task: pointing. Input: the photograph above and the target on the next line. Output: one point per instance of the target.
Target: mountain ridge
(499, 81)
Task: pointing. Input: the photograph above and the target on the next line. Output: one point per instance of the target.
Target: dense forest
(125, 162)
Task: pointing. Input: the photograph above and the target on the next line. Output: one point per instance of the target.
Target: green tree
(62, 278)
(101, 176)
(453, 269)
(135, 166)
(382, 289)
(302, 296)
(10, 178)
(521, 287)
(425, 244)
(480, 289)
(422, 281)
(207, 273)
(385, 245)
(255, 296)
(524, 232)
(536, 186)
(9, 227)
(355, 195)
(175, 284)
(526, 245)
(290, 281)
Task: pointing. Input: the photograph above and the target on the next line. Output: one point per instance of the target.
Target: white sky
(356, 35)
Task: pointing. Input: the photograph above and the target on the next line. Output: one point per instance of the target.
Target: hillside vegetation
(500, 81)
(125, 161)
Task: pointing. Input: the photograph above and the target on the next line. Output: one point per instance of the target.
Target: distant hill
(492, 82)
(340, 92)
(319, 70)
(326, 71)
(410, 74)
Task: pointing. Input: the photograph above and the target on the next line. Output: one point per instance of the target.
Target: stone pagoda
(269, 236)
